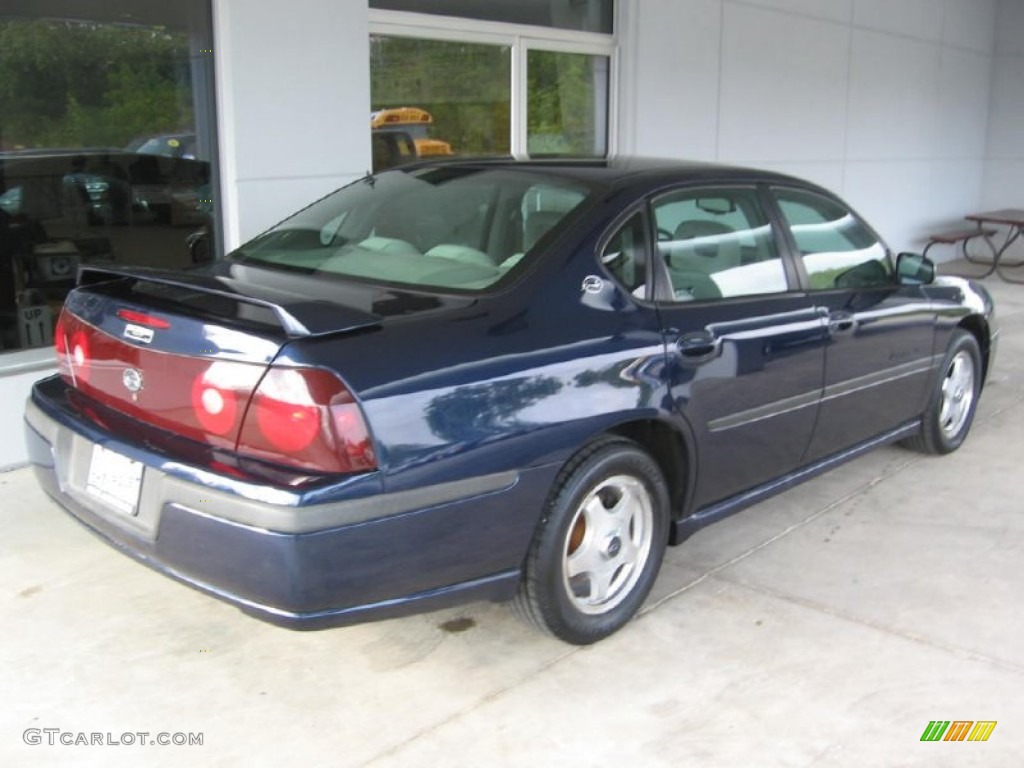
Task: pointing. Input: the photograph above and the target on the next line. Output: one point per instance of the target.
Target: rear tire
(954, 398)
(599, 545)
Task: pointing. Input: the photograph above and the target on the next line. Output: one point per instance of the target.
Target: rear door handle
(699, 346)
(840, 320)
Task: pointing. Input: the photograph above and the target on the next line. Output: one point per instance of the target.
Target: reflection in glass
(717, 243)
(567, 104)
(442, 97)
(105, 150)
(837, 250)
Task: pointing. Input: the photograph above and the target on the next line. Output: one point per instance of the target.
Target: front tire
(598, 548)
(950, 412)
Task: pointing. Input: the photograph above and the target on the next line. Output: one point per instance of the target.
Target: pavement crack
(858, 491)
(495, 694)
(914, 637)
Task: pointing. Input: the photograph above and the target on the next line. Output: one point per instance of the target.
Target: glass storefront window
(106, 151)
(581, 15)
(436, 97)
(567, 104)
(441, 97)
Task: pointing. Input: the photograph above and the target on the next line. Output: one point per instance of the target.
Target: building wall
(293, 99)
(883, 101)
(1004, 169)
(20, 370)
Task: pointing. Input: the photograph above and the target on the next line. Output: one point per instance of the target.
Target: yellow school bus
(416, 123)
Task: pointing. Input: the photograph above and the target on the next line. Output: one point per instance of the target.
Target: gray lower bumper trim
(285, 519)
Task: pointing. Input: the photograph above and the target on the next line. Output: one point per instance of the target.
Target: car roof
(625, 171)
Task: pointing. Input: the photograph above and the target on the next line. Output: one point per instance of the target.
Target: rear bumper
(286, 556)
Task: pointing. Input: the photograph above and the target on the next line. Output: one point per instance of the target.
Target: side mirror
(914, 269)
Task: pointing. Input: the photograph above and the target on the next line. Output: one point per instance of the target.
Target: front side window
(460, 229)
(837, 249)
(717, 243)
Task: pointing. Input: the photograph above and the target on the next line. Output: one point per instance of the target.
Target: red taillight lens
(298, 417)
(60, 341)
(78, 352)
(307, 418)
(215, 398)
(288, 425)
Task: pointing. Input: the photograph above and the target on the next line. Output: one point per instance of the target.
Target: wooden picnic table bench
(962, 236)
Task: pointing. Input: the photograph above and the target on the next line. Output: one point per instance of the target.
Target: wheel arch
(978, 327)
(674, 450)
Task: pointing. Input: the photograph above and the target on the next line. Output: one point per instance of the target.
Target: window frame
(520, 39)
(790, 244)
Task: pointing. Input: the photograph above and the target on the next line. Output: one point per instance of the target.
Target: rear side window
(625, 255)
(449, 228)
(717, 244)
(838, 251)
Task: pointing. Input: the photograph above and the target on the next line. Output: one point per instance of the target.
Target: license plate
(114, 479)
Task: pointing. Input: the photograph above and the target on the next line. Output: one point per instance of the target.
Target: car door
(746, 352)
(880, 334)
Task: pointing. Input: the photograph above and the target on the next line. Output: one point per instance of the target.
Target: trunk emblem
(138, 333)
(132, 380)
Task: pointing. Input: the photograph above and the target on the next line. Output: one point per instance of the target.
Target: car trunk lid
(194, 355)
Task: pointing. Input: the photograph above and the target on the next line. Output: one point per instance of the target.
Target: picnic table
(986, 226)
(1010, 218)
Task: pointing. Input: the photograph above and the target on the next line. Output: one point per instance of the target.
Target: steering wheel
(664, 235)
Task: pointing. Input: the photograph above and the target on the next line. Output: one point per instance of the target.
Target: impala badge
(132, 380)
(138, 333)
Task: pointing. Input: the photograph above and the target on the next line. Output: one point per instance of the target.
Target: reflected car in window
(495, 380)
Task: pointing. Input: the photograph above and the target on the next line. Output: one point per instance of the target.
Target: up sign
(35, 326)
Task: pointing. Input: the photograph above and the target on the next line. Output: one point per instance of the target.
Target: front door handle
(699, 346)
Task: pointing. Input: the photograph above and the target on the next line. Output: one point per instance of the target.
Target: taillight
(215, 397)
(298, 417)
(60, 341)
(306, 417)
(78, 355)
(73, 348)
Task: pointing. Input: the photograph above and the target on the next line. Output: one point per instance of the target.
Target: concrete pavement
(825, 627)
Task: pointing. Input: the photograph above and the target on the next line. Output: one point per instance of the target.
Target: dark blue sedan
(495, 380)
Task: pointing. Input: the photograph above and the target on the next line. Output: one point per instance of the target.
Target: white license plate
(114, 479)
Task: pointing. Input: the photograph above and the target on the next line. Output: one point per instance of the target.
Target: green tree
(79, 85)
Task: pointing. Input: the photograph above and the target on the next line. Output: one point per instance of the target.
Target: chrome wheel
(607, 544)
(957, 394)
(598, 545)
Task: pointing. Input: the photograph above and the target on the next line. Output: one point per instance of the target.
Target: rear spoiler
(298, 317)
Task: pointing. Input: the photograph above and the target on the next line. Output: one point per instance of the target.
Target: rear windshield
(452, 228)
